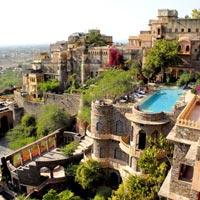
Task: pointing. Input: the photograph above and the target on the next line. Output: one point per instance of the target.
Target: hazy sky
(48, 21)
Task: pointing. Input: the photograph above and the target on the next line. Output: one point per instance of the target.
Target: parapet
(165, 13)
(103, 102)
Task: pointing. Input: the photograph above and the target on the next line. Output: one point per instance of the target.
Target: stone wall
(187, 133)
(107, 118)
(68, 102)
(178, 186)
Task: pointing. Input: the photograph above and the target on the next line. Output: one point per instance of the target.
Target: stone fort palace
(118, 132)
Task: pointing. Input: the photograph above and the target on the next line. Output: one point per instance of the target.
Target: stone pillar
(30, 153)
(39, 150)
(47, 144)
(83, 69)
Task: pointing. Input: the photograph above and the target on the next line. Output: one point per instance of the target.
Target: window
(119, 127)
(158, 31)
(189, 30)
(187, 49)
(197, 30)
(118, 153)
(186, 173)
(102, 152)
(98, 126)
(179, 48)
(91, 74)
(176, 30)
(182, 30)
(141, 140)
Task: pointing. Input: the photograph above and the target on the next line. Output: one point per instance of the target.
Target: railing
(41, 186)
(124, 144)
(187, 110)
(188, 123)
(183, 117)
(30, 151)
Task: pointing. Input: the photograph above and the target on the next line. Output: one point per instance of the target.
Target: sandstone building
(182, 181)
(169, 26)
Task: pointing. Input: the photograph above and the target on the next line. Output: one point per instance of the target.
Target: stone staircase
(84, 144)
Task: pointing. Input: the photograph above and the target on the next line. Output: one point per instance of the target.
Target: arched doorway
(45, 171)
(58, 172)
(4, 125)
(115, 180)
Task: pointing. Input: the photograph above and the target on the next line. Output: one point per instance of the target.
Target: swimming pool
(162, 100)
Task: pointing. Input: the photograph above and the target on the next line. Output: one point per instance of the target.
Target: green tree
(89, 174)
(184, 79)
(95, 39)
(152, 165)
(51, 85)
(85, 115)
(112, 85)
(19, 136)
(67, 195)
(24, 133)
(10, 78)
(22, 197)
(134, 188)
(51, 118)
(50, 195)
(148, 72)
(196, 13)
(102, 193)
(162, 55)
(147, 185)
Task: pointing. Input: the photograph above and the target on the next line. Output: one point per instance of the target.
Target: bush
(103, 193)
(69, 148)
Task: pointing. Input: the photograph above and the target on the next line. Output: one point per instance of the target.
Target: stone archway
(4, 125)
(58, 172)
(115, 179)
(45, 171)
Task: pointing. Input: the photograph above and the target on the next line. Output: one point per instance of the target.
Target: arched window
(179, 48)
(119, 127)
(102, 152)
(118, 153)
(187, 49)
(58, 171)
(45, 171)
(99, 126)
(141, 140)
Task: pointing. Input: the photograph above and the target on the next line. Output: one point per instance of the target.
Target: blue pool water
(162, 100)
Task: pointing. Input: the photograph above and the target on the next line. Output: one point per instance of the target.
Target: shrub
(69, 148)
